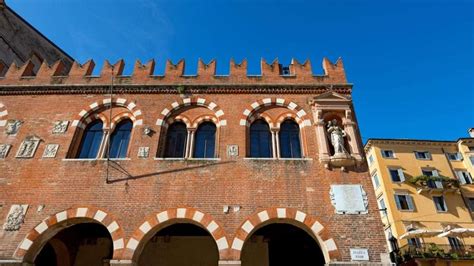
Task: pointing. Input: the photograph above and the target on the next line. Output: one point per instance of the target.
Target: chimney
(471, 132)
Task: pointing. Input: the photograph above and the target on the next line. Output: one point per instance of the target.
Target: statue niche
(340, 155)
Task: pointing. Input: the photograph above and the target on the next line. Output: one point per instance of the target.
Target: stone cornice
(173, 89)
(372, 142)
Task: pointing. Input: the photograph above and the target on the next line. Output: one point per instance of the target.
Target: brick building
(203, 169)
(20, 42)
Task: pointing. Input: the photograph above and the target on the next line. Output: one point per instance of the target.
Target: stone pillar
(349, 128)
(277, 141)
(230, 262)
(274, 148)
(321, 136)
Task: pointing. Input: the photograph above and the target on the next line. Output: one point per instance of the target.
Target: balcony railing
(430, 250)
(434, 183)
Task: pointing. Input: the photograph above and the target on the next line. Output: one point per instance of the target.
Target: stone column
(277, 141)
(349, 128)
(321, 136)
(274, 148)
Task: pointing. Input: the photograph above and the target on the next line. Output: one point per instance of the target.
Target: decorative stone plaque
(15, 217)
(12, 126)
(28, 147)
(4, 149)
(349, 199)
(359, 254)
(50, 150)
(232, 150)
(143, 152)
(60, 127)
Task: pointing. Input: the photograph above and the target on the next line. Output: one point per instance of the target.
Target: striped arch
(205, 118)
(3, 115)
(293, 216)
(171, 216)
(180, 118)
(300, 113)
(83, 116)
(192, 101)
(265, 117)
(289, 116)
(87, 213)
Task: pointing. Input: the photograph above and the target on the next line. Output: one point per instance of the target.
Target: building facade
(428, 192)
(203, 169)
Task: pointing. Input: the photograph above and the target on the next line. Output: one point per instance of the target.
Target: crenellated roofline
(296, 74)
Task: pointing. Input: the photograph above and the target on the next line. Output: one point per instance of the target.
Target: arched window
(176, 140)
(91, 140)
(260, 140)
(205, 141)
(290, 146)
(120, 138)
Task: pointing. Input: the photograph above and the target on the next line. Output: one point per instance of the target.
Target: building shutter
(397, 201)
(400, 173)
(410, 202)
(462, 181)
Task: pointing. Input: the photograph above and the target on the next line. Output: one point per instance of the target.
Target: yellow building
(425, 191)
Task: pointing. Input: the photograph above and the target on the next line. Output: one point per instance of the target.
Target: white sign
(349, 199)
(359, 254)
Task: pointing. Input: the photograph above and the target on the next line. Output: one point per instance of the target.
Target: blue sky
(411, 62)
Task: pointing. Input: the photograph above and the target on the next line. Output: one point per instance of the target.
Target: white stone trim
(243, 122)
(3, 113)
(145, 227)
(237, 244)
(119, 244)
(301, 113)
(40, 228)
(131, 105)
(93, 106)
(201, 101)
(198, 216)
(132, 244)
(3, 123)
(292, 106)
(100, 216)
(121, 100)
(281, 212)
(61, 216)
(165, 112)
(280, 101)
(317, 227)
(162, 216)
(300, 216)
(267, 101)
(181, 213)
(187, 101)
(330, 244)
(137, 113)
(255, 105)
(248, 226)
(113, 227)
(219, 113)
(212, 226)
(223, 122)
(246, 112)
(159, 122)
(212, 105)
(26, 244)
(82, 113)
(222, 243)
(263, 216)
(175, 105)
(81, 212)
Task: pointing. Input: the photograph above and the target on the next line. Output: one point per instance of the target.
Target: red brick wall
(158, 185)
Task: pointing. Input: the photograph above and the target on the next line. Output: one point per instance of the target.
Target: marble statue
(337, 135)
